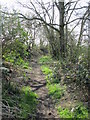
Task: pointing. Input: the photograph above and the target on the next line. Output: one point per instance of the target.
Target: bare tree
(42, 12)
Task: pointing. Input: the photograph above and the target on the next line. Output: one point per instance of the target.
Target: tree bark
(61, 27)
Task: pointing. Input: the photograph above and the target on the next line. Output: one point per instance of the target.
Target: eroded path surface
(46, 107)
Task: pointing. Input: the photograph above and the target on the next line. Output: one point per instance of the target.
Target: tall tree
(60, 6)
(45, 13)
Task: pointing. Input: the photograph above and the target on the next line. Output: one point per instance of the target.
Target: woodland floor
(46, 106)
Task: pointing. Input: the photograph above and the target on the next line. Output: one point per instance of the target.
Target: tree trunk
(33, 40)
(61, 27)
(89, 37)
(89, 24)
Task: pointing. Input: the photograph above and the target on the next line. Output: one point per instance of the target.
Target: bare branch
(72, 11)
(40, 19)
(75, 26)
(82, 25)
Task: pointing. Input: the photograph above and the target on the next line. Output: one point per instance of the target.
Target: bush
(16, 53)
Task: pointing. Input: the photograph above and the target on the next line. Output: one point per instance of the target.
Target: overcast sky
(13, 4)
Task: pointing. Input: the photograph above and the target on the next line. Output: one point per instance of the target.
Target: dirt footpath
(46, 107)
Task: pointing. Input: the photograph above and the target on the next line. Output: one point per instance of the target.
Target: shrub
(16, 53)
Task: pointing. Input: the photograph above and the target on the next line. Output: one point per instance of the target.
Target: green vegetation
(64, 113)
(28, 101)
(79, 112)
(24, 101)
(54, 88)
(46, 70)
(18, 97)
(64, 59)
(45, 59)
(57, 91)
(16, 54)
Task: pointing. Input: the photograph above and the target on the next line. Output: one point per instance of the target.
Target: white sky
(12, 4)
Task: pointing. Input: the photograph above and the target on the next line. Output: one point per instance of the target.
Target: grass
(25, 65)
(48, 72)
(64, 113)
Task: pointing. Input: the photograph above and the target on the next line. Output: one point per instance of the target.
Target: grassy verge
(18, 98)
(21, 102)
(57, 90)
(28, 102)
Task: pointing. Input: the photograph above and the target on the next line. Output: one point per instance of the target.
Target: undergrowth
(56, 91)
(54, 88)
(28, 101)
(46, 70)
(16, 54)
(45, 60)
(79, 112)
(21, 101)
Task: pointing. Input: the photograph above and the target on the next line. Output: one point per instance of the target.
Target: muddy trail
(46, 106)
